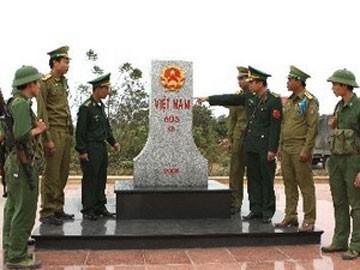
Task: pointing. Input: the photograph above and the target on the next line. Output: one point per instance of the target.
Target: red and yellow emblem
(276, 114)
(172, 78)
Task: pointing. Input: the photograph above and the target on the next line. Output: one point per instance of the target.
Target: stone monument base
(213, 201)
(165, 233)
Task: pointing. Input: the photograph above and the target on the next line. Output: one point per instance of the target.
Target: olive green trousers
(298, 175)
(19, 210)
(56, 174)
(237, 171)
(346, 199)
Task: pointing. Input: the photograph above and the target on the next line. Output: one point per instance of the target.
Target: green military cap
(255, 74)
(298, 74)
(344, 76)
(243, 71)
(101, 81)
(26, 74)
(59, 52)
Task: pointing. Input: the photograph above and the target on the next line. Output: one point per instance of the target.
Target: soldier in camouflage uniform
(344, 166)
(92, 132)
(264, 114)
(297, 140)
(53, 107)
(237, 124)
(22, 180)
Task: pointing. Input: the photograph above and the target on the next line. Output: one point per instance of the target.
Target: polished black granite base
(213, 201)
(165, 233)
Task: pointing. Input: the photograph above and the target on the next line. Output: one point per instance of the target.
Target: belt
(99, 142)
(60, 128)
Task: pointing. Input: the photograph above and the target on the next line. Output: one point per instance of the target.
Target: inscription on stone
(170, 156)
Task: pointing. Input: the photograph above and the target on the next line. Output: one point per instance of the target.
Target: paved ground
(244, 258)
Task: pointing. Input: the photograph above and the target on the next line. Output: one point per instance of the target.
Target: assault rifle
(4, 118)
(10, 143)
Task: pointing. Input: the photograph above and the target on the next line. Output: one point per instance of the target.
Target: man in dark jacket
(92, 132)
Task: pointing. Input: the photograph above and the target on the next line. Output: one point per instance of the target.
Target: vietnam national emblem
(172, 78)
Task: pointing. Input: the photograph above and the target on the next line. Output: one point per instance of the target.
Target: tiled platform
(167, 233)
(140, 234)
(245, 258)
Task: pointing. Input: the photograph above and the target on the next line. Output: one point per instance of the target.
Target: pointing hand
(200, 100)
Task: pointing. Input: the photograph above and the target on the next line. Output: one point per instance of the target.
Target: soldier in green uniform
(21, 169)
(2, 154)
(237, 123)
(53, 107)
(264, 114)
(344, 166)
(297, 140)
(92, 132)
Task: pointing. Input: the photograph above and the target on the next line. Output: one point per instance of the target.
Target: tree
(130, 102)
(129, 115)
(84, 90)
(209, 133)
(127, 110)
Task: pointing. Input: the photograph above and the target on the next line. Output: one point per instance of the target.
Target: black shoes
(31, 242)
(266, 220)
(64, 216)
(334, 248)
(51, 220)
(95, 215)
(287, 223)
(56, 219)
(90, 216)
(252, 216)
(105, 213)
(234, 210)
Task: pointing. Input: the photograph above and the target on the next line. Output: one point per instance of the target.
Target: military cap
(26, 74)
(344, 76)
(59, 52)
(298, 74)
(243, 71)
(101, 81)
(255, 74)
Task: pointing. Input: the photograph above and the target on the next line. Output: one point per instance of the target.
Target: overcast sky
(316, 36)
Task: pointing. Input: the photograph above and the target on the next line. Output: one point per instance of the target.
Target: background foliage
(128, 111)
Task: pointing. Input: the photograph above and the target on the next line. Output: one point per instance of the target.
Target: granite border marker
(170, 157)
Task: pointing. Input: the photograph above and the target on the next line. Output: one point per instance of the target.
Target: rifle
(10, 142)
(20, 150)
(2, 170)
(3, 115)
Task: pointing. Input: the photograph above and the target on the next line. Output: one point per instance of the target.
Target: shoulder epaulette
(46, 77)
(275, 94)
(308, 95)
(87, 103)
(17, 99)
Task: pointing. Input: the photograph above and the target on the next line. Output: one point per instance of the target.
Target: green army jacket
(92, 125)
(348, 115)
(300, 125)
(53, 105)
(23, 122)
(236, 121)
(264, 116)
